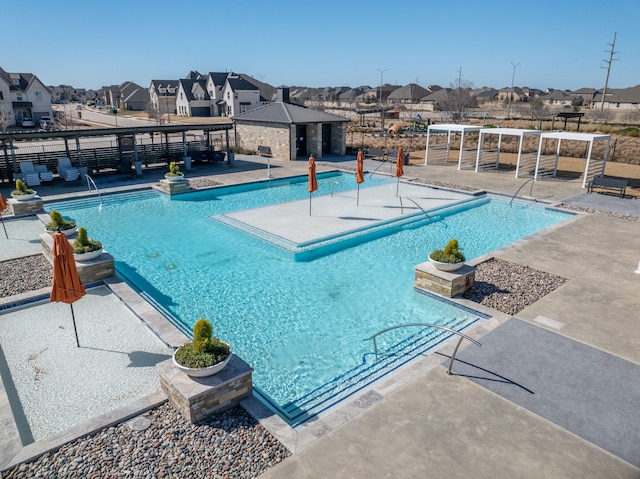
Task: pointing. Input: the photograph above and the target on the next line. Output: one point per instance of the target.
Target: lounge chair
(66, 171)
(45, 175)
(31, 176)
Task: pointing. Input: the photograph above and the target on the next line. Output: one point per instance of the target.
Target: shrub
(21, 189)
(57, 221)
(83, 244)
(450, 254)
(205, 350)
(174, 169)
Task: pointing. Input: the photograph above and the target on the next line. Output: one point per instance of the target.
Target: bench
(375, 153)
(614, 184)
(264, 150)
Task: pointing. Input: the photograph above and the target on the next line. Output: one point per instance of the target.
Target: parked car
(28, 123)
(46, 123)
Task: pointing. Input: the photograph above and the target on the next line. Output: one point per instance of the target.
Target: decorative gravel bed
(230, 445)
(198, 183)
(24, 274)
(593, 211)
(510, 287)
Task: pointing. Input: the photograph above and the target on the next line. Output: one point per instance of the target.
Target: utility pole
(380, 99)
(511, 92)
(608, 62)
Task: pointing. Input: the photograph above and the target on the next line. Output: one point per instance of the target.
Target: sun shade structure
(547, 165)
(3, 206)
(313, 182)
(439, 153)
(489, 158)
(359, 173)
(66, 286)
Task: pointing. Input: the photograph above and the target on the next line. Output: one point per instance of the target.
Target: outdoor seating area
(66, 171)
(618, 186)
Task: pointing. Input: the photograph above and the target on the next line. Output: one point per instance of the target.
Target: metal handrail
(444, 328)
(91, 182)
(522, 186)
(333, 184)
(421, 208)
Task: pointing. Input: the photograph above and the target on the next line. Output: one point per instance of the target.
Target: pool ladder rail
(91, 182)
(444, 328)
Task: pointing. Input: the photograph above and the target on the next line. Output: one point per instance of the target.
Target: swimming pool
(302, 323)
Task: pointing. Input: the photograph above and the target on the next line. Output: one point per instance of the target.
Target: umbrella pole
(75, 329)
(309, 204)
(397, 186)
(358, 195)
(4, 227)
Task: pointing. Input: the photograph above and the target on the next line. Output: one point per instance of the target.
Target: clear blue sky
(555, 44)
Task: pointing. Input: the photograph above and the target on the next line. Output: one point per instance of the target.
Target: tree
(459, 99)
(537, 108)
(5, 118)
(154, 113)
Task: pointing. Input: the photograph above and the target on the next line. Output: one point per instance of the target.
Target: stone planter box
(444, 283)
(198, 398)
(90, 271)
(20, 208)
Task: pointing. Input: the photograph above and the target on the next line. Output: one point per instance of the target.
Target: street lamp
(511, 92)
(380, 96)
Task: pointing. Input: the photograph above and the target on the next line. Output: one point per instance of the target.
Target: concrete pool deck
(453, 426)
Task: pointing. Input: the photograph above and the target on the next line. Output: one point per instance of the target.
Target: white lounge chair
(45, 175)
(66, 171)
(31, 176)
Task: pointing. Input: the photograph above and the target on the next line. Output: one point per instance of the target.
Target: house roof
(191, 86)
(287, 114)
(625, 95)
(157, 84)
(411, 92)
(218, 78)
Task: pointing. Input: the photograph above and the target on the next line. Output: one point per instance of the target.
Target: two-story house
(238, 96)
(162, 95)
(192, 97)
(24, 96)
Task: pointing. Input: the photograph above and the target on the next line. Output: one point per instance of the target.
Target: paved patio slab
(580, 388)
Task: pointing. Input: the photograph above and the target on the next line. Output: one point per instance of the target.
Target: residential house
(127, 96)
(435, 99)
(584, 96)
(619, 99)
(239, 96)
(517, 94)
(291, 131)
(485, 95)
(557, 98)
(192, 97)
(410, 93)
(162, 95)
(23, 95)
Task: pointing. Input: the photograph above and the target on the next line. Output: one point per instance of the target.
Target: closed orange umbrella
(359, 173)
(399, 168)
(313, 182)
(66, 286)
(3, 206)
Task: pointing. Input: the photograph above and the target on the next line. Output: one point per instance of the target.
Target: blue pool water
(302, 324)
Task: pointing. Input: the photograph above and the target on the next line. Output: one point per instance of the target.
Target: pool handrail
(444, 328)
(91, 182)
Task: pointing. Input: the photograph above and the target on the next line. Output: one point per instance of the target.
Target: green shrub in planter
(21, 189)
(57, 221)
(205, 350)
(450, 254)
(83, 244)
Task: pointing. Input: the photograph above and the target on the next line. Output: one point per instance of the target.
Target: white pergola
(439, 154)
(547, 165)
(490, 158)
